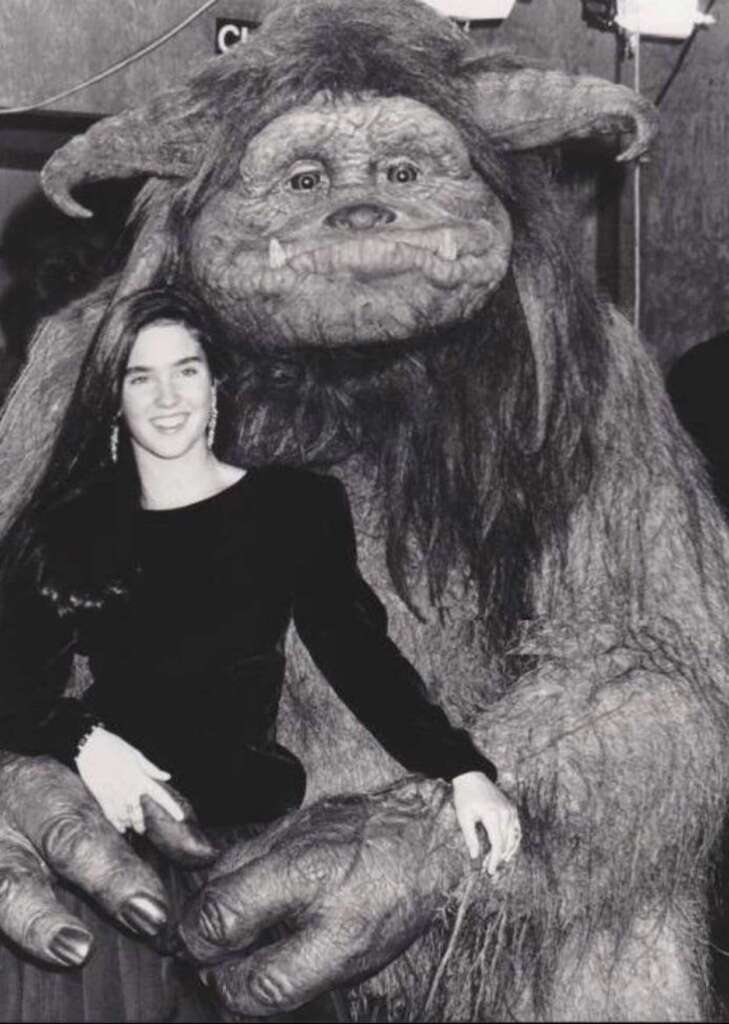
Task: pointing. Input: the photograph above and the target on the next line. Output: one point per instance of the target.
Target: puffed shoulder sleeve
(36, 652)
(344, 627)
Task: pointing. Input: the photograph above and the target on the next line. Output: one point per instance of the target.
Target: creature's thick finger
(232, 910)
(285, 975)
(50, 805)
(166, 801)
(183, 842)
(31, 916)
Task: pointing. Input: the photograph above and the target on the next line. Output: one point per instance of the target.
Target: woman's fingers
(150, 768)
(117, 806)
(470, 834)
(122, 806)
(505, 838)
(479, 801)
(135, 817)
(496, 854)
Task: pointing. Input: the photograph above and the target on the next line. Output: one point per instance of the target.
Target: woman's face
(167, 392)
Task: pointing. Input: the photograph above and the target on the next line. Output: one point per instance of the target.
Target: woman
(177, 574)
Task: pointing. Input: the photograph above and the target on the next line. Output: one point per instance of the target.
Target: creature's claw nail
(70, 946)
(144, 914)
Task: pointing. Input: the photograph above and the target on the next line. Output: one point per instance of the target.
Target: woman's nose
(166, 392)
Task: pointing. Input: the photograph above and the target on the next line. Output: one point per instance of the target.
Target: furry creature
(357, 194)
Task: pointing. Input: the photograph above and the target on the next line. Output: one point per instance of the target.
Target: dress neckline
(220, 498)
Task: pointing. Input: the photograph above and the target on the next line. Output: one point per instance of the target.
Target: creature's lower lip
(360, 266)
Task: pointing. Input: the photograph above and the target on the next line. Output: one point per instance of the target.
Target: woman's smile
(167, 393)
(170, 423)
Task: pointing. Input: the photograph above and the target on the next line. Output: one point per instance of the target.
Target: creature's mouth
(445, 256)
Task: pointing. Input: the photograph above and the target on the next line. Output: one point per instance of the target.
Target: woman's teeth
(168, 424)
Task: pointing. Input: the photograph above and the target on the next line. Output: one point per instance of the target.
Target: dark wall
(685, 192)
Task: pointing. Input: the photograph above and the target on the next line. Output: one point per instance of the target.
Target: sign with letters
(231, 31)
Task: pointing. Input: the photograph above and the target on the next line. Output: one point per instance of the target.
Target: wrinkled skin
(352, 221)
(356, 880)
(52, 826)
(365, 221)
(371, 257)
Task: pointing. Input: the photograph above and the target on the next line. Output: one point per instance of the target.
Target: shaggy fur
(574, 603)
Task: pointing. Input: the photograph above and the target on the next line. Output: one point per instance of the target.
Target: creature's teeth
(276, 255)
(447, 248)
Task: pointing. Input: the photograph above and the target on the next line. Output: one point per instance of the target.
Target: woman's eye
(402, 173)
(305, 181)
(190, 371)
(139, 378)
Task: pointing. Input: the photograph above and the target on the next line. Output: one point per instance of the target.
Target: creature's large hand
(49, 820)
(354, 880)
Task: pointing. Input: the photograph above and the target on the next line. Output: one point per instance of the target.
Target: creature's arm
(600, 731)
(344, 626)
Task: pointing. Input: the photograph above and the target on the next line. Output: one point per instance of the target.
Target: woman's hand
(118, 776)
(476, 800)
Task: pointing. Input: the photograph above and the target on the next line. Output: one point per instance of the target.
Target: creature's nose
(360, 217)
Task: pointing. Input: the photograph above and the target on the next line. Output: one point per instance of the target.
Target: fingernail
(144, 914)
(70, 945)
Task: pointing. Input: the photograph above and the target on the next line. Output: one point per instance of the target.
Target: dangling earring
(213, 418)
(114, 441)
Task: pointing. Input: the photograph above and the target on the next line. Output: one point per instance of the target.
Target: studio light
(662, 19)
(474, 10)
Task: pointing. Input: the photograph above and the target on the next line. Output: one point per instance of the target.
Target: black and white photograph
(364, 482)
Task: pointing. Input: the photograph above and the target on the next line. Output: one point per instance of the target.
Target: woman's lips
(170, 424)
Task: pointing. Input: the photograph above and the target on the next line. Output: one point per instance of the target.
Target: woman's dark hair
(72, 539)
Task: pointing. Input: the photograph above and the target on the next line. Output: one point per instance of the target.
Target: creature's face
(167, 393)
(352, 221)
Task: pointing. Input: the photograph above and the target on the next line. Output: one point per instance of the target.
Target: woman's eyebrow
(147, 369)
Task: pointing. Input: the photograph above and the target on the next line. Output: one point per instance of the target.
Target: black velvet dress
(189, 669)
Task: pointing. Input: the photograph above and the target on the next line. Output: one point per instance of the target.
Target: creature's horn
(534, 287)
(156, 139)
(524, 108)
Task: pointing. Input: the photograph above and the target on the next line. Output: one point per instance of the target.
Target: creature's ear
(164, 139)
(524, 108)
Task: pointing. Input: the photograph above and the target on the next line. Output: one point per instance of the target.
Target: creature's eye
(190, 371)
(137, 378)
(402, 173)
(305, 181)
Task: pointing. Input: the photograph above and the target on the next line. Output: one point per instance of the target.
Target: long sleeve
(36, 651)
(344, 627)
